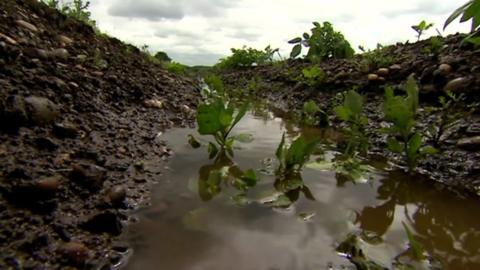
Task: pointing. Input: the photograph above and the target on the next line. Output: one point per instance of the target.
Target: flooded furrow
(195, 225)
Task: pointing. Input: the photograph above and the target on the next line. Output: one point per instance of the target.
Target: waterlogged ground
(190, 227)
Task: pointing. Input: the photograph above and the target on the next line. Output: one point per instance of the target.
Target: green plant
(313, 115)
(452, 111)
(246, 57)
(216, 88)
(416, 249)
(175, 67)
(469, 11)
(401, 112)
(323, 43)
(162, 57)
(77, 9)
(434, 47)
(421, 28)
(218, 119)
(313, 76)
(374, 59)
(351, 112)
(292, 158)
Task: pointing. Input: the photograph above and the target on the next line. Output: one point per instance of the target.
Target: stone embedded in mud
(472, 143)
(105, 222)
(59, 53)
(395, 67)
(65, 40)
(456, 84)
(373, 77)
(8, 39)
(12, 114)
(445, 69)
(41, 111)
(65, 130)
(75, 252)
(27, 25)
(88, 175)
(153, 103)
(116, 195)
(49, 185)
(45, 143)
(383, 72)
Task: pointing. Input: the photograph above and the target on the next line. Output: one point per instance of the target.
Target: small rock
(381, 79)
(27, 25)
(13, 114)
(65, 40)
(41, 111)
(106, 222)
(395, 67)
(472, 143)
(65, 131)
(8, 39)
(59, 53)
(445, 69)
(153, 103)
(117, 195)
(88, 175)
(456, 84)
(46, 144)
(98, 73)
(42, 54)
(49, 185)
(75, 252)
(373, 77)
(383, 72)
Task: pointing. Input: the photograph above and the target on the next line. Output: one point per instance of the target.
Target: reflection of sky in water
(218, 235)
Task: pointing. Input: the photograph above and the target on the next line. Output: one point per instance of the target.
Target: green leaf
(343, 113)
(310, 107)
(240, 114)
(415, 247)
(295, 40)
(414, 145)
(297, 49)
(193, 142)
(394, 145)
(457, 13)
(250, 178)
(305, 36)
(212, 150)
(280, 153)
(229, 146)
(208, 118)
(243, 138)
(412, 93)
(428, 150)
(354, 102)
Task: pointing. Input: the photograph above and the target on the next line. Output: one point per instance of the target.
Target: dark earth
(82, 116)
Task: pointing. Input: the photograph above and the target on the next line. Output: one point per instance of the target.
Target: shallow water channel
(188, 228)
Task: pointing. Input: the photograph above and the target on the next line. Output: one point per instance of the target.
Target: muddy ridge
(456, 68)
(81, 118)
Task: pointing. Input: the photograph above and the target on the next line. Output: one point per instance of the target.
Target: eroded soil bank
(80, 119)
(455, 67)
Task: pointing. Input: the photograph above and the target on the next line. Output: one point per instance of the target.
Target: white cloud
(201, 31)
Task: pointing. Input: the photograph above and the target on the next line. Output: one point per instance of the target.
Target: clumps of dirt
(455, 66)
(81, 119)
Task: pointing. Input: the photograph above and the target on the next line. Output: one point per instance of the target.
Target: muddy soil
(81, 122)
(455, 68)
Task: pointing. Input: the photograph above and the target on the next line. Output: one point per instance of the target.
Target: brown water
(187, 228)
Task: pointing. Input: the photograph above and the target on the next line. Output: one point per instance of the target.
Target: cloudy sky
(199, 32)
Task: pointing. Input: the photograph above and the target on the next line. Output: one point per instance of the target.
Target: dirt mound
(81, 117)
(453, 65)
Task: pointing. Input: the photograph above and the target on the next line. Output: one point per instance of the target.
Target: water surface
(188, 228)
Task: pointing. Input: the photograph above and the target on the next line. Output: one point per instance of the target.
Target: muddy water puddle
(189, 226)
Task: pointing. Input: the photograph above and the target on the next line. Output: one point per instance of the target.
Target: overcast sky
(199, 32)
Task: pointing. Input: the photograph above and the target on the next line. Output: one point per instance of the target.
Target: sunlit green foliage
(313, 76)
(246, 57)
(374, 59)
(351, 112)
(313, 115)
(162, 57)
(175, 67)
(77, 9)
(469, 11)
(421, 28)
(323, 43)
(218, 119)
(292, 158)
(401, 112)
